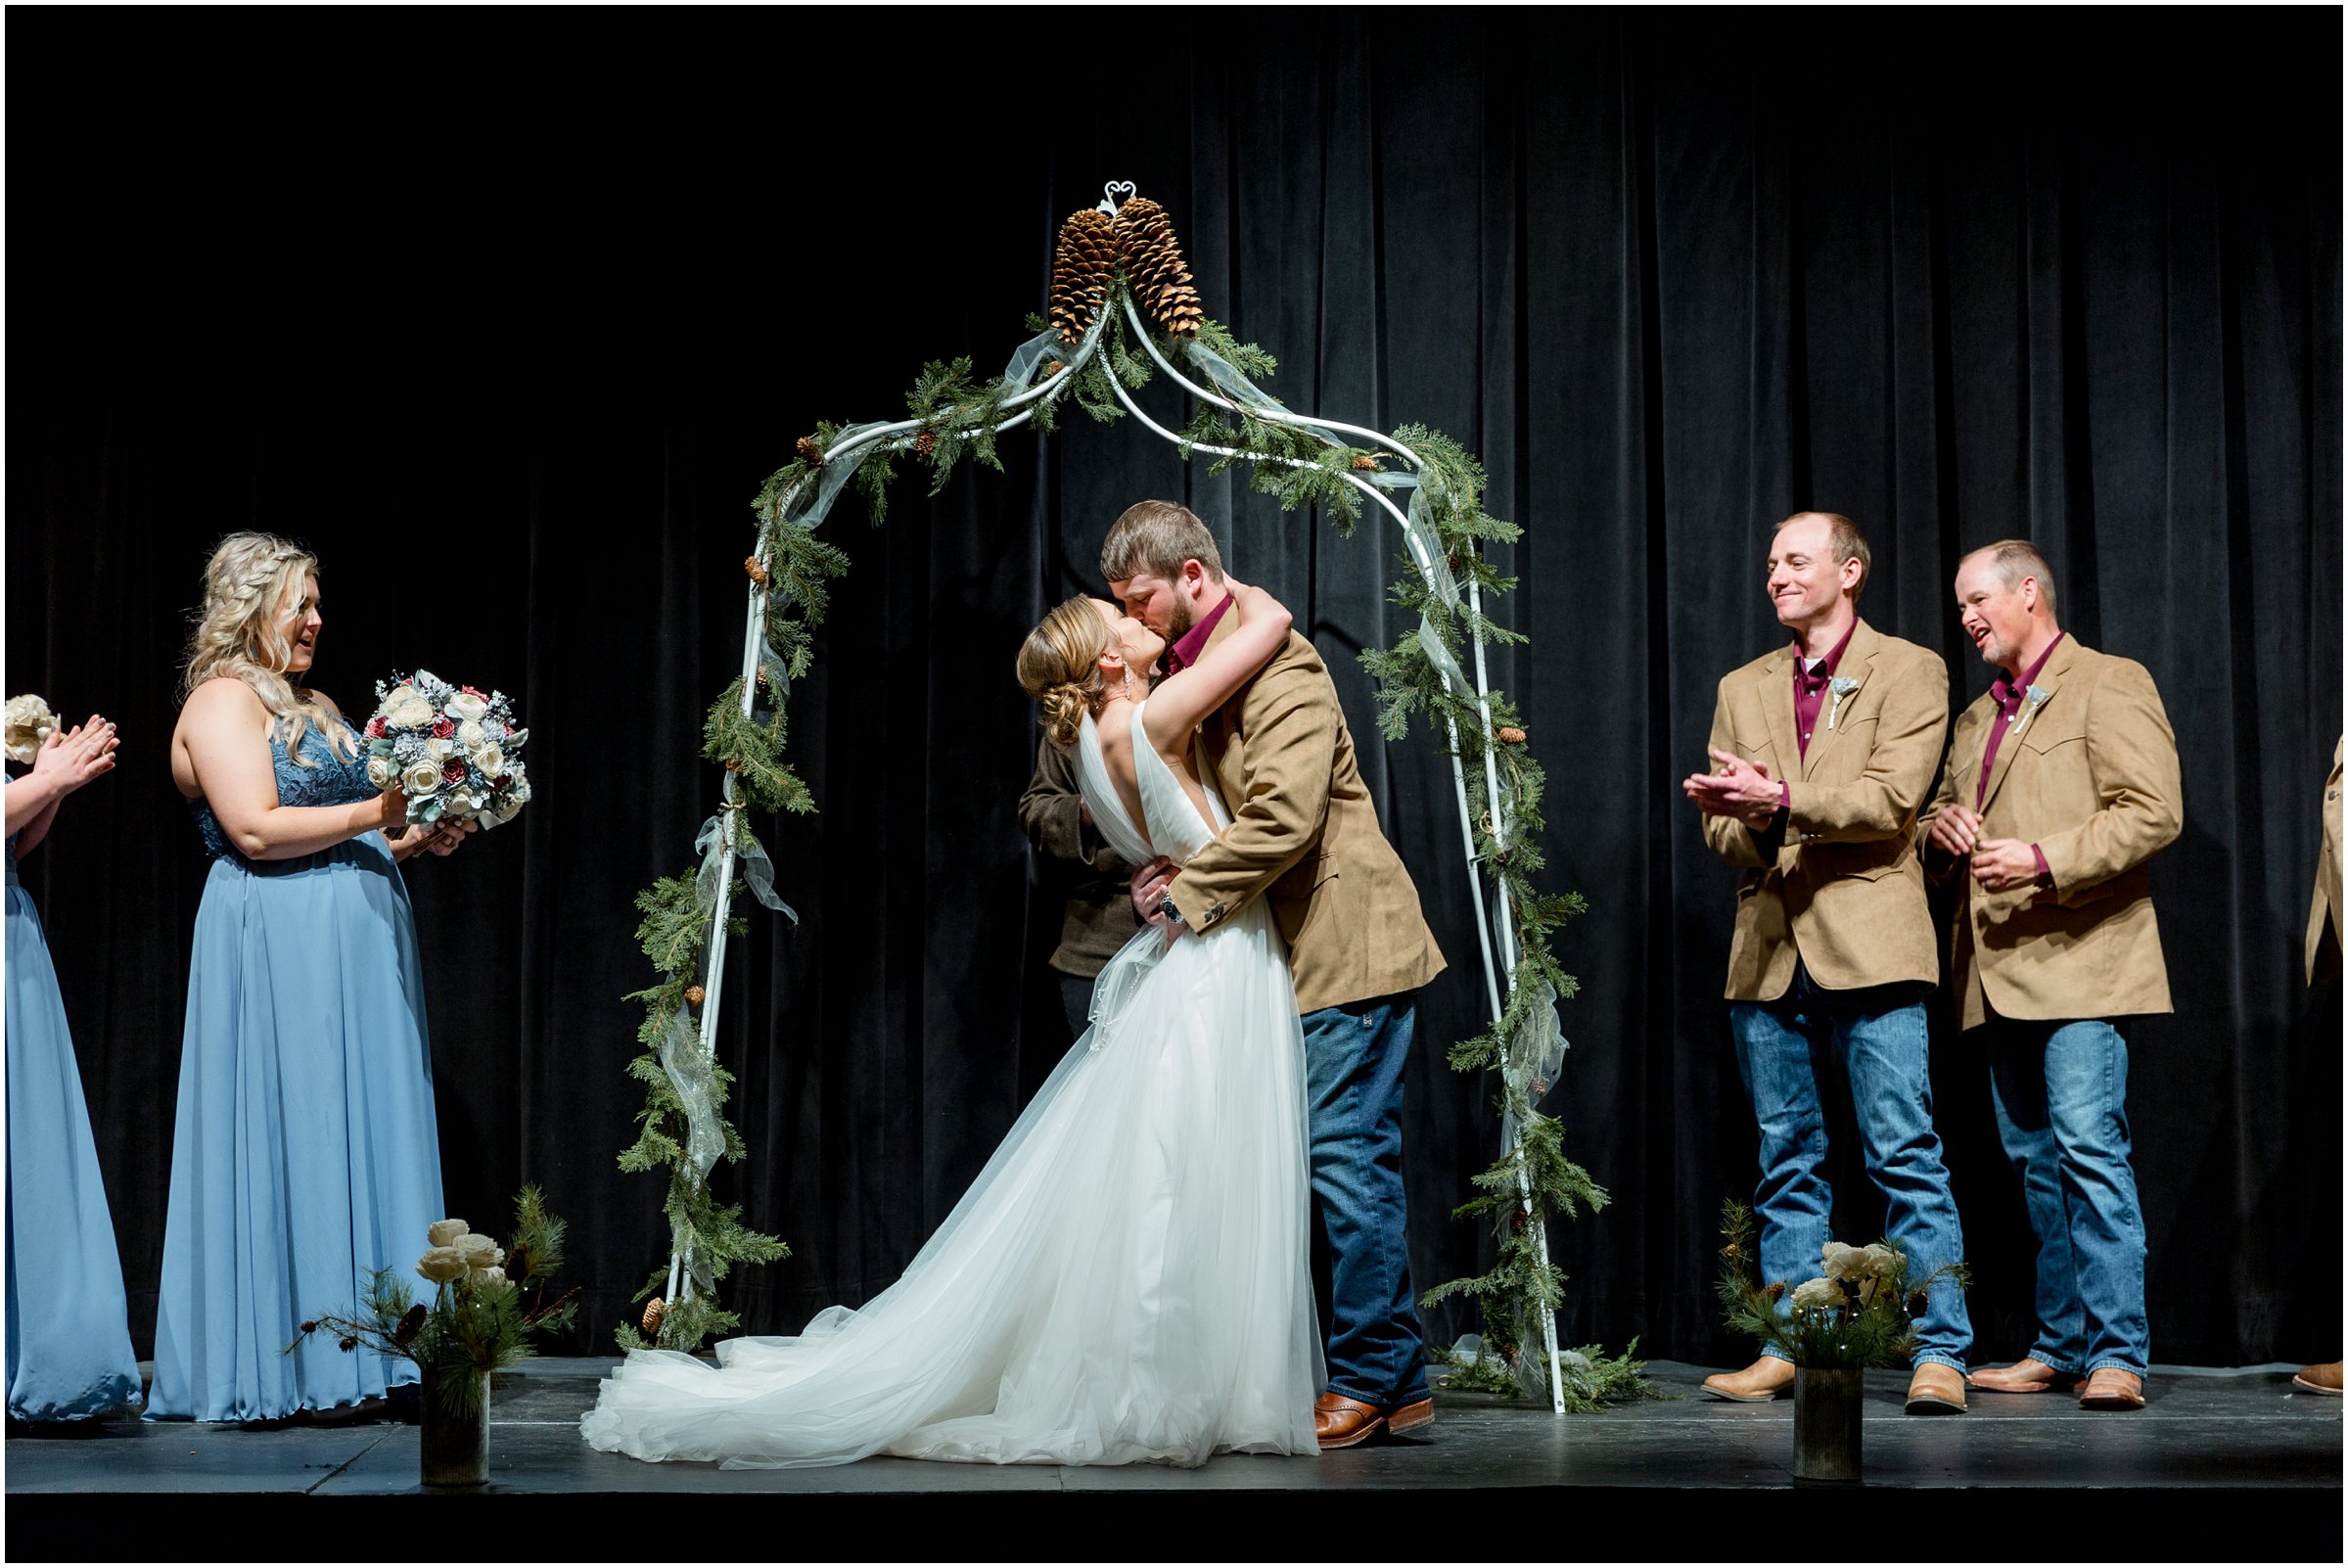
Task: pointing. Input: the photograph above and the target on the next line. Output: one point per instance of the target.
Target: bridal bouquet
(484, 1310)
(29, 722)
(448, 749)
(1860, 1311)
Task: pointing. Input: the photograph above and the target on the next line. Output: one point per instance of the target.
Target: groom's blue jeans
(1786, 1049)
(1354, 1075)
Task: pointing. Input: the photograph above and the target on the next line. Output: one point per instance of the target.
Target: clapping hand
(1737, 788)
(72, 758)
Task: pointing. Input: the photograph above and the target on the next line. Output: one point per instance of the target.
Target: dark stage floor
(1677, 1466)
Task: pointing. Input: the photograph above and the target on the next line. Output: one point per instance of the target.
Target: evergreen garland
(958, 419)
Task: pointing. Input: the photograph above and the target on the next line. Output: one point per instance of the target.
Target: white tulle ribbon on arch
(694, 1078)
(749, 861)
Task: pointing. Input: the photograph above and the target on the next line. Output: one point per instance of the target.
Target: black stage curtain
(514, 346)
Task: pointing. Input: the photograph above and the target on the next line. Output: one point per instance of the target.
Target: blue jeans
(1784, 1049)
(2061, 1088)
(1354, 1075)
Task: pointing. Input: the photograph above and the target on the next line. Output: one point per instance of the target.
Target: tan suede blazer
(1839, 885)
(1305, 835)
(2324, 913)
(2092, 778)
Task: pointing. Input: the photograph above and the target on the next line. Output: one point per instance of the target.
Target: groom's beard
(1179, 619)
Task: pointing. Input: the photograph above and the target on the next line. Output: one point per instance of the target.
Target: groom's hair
(1157, 537)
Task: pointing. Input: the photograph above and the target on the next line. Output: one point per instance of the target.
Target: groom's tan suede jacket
(1305, 835)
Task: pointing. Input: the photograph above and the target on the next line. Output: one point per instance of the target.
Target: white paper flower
(486, 1277)
(420, 779)
(29, 722)
(1817, 1293)
(479, 1251)
(465, 705)
(405, 707)
(490, 759)
(440, 748)
(1882, 1261)
(444, 1232)
(382, 771)
(471, 735)
(1843, 1262)
(442, 1265)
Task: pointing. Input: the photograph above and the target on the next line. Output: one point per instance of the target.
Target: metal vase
(456, 1448)
(1826, 1423)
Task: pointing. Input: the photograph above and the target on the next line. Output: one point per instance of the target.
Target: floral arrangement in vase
(1860, 1311)
(483, 1308)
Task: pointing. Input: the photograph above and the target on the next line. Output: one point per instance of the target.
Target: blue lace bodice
(333, 781)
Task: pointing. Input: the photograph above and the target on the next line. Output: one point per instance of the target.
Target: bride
(1127, 1279)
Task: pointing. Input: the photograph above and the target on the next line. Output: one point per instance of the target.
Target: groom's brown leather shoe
(1340, 1422)
(2112, 1387)
(1768, 1378)
(1936, 1388)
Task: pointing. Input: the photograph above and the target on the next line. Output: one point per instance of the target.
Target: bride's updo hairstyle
(1060, 667)
(246, 586)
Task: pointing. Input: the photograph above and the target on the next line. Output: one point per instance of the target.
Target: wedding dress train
(1125, 1280)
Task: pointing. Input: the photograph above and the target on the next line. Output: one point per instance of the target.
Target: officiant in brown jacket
(2062, 782)
(1822, 754)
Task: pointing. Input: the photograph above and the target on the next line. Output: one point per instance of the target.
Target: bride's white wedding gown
(1127, 1279)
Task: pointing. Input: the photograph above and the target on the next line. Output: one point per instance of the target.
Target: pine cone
(1510, 735)
(410, 1326)
(756, 570)
(695, 995)
(924, 443)
(1054, 368)
(1516, 1219)
(809, 454)
(654, 1311)
(1154, 269)
(1365, 463)
(1081, 266)
(733, 764)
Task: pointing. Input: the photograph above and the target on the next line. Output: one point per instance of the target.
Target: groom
(1305, 835)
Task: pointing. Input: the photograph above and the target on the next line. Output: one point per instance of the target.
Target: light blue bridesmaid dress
(304, 1152)
(69, 1327)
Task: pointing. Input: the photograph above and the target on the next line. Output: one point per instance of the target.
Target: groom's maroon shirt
(1184, 650)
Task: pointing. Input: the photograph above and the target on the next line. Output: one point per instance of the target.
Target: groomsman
(1822, 754)
(2061, 783)
(2323, 966)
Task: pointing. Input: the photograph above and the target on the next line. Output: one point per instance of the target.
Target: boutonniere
(1843, 686)
(2032, 700)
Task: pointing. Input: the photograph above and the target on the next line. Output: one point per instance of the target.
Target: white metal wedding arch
(1531, 1043)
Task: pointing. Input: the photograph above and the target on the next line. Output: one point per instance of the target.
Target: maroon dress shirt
(1810, 685)
(2010, 695)
(1184, 650)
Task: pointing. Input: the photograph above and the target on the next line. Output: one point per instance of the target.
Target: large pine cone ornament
(1154, 268)
(654, 1311)
(1081, 267)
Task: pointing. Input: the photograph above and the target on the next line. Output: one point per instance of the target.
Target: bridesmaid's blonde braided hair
(246, 586)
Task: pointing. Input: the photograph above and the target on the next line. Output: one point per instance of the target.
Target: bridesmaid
(68, 1325)
(304, 1153)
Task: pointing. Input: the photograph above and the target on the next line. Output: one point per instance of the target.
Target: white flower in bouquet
(29, 724)
(467, 705)
(490, 759)
(1843, 1262)
(517, 796)
(382, 772)
(479, 1251)
(442, 1265)
(440, 748)
(479, 1277)
(406, 708)
(1817, 1293)
(444, 1232)
(420, 779)
(471, 735)
(1882, 1261)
